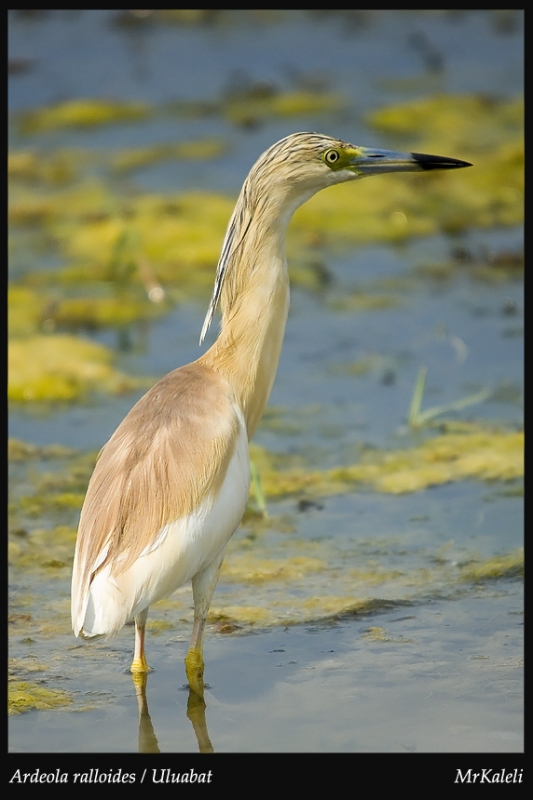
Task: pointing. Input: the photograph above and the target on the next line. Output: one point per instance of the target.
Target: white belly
(182, 549)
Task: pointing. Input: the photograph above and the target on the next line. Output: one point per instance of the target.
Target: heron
(171, 485)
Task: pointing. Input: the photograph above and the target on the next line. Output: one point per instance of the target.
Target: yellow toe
(139, 665)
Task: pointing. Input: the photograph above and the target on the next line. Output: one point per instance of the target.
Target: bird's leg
(139, 664)
(203, 587)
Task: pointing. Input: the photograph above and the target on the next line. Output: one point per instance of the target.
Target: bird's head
(309, 162)
(292, 171)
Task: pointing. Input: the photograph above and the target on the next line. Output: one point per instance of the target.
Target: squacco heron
(170, 486)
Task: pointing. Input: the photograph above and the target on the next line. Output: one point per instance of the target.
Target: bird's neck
(255, 303)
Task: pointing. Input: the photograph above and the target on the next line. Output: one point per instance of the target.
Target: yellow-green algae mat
(476, 453)
(127, 258)
(244, 107)
(463, 451)
(62, 367)
(28, 696)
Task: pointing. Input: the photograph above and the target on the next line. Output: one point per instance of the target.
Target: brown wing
(169, 453)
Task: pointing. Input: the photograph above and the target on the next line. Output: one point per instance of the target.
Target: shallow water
(434, 662)
(428, 686)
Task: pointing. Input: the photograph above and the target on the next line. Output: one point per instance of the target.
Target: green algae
(251, 106)
(369, 590)
(50, 549)
(25, 666)
(84, 200)
(54, 168)
(57, 168)
(178, 16)
(489, 194)
(504, 565)
(256, 102)
(243, 107)
(485, 454)
(83, 113)
(178, 236)
(62, 368)
(31, 312)
(37, 505)
(488, 132)
(377, 634)
(368, 364)
(249, 569)
(101, 312)
(468, 123)
(160, 625)
(148, 247)
(24, 311)
(27, 696)
(135, 158)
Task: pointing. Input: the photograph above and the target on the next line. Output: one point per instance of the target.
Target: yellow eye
(331, 157)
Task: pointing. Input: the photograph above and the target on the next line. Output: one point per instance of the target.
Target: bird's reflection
(195, 712)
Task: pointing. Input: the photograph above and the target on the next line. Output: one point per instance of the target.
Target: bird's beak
(367, 161)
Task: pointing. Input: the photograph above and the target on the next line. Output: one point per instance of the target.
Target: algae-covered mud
(380, 559)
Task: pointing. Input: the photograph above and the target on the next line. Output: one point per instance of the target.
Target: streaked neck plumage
(253, 283)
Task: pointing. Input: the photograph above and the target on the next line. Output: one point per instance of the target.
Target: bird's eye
(331, 156)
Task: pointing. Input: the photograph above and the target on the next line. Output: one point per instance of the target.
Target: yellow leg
(203, 587)
(139, 663)
(194, 668)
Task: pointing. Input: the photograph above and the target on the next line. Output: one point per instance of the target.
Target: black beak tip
(438, 162)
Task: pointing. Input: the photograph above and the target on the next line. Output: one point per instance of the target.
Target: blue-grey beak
(368, 161)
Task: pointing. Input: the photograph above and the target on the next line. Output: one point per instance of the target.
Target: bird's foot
(140, 665)
(194, 667)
